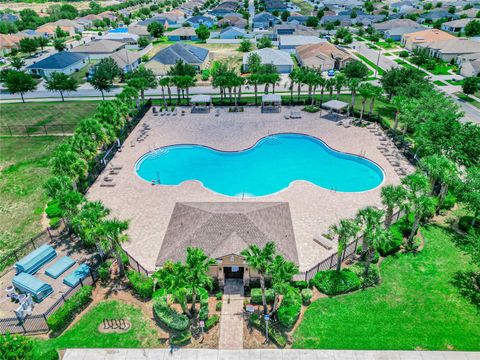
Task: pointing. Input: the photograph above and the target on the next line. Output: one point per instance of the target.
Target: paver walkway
(211, 354)
(231, 321)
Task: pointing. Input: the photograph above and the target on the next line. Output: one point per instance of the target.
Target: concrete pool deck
(313, 209)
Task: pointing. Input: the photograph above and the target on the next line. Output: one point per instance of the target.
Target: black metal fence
(36, 130)
(135, 265)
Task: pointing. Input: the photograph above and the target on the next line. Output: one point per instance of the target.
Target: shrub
(331, 282)
(66, 313)
(299, 284)
(256, 295)
(203, 314)
(168, 316)
(205, 74)
(104, 271)
(289, 310)
(276, 336)
(376, 255)
(372, 279)
(13, 347)
(141, 284)
(391, 244)
(403, 54)
(202, 296)
(311, 108)
(465, 223)
(181, 338)
(449, 202)
(53, 210)
(218, 306)
(55, 222)
(307, 295)
(211, 322)
(219, 295)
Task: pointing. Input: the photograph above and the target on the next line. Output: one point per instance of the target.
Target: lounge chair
(114, 172)
(107, 178)
(108, 184)
(286, 116)
(174, 112)
(114, 167)
(217, 112)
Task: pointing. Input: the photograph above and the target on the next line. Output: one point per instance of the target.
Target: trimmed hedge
(167, 315)
(276, 336)
(203, 314)
(65, 314)
(141, 284)
(211, 322)
(331, 282)
(299, 284)
(219, 295)
(218, 306)
(55, 222)
(290, 308)
(182, 338)
(53, 210)
(256, 295)
(307, 295)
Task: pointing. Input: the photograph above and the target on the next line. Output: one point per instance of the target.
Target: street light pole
(378, 61)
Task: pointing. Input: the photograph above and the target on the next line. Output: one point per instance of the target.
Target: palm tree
(260, 260)
(254, 79)
(344, 231)
(197, 266)
(398, 103)
(353, 85)
(294, 79)
(87, 223)
(340, 81)
(365, 91)
(112, 235)
(369, 219)
(165, 83)
(440, 170)
(393, 196)
(376, 92)
(281, 271)
(330, 86)
(321, 82)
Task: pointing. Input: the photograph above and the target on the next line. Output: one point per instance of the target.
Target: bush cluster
(167, 315)
(54, 213)
(218, 306)
(331, 282)
(211, 322)
(465, 223)
(274, 334)
(449, 202)
(299, 284)
(372, 279)
(311, 108)
(289, 310)
(307, 295)
(141, 284)
(104, 271)
(62, 317)
(181, 338)
(256, 295)
(391, 244)
(203, 295)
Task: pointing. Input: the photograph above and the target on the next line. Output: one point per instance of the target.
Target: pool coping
(141, 158)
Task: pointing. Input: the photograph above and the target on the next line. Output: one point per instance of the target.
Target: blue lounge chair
(60, 267)
(78, 274)
(35, 260)
(28, 284)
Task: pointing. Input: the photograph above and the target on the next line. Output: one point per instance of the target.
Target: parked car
(331, 72)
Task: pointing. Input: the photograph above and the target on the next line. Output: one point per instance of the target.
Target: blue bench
(35, 260)
(78, 274)
(28, 284)
(62, 265)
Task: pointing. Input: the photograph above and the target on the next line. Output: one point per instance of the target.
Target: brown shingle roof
(316, 54)
(224, 228)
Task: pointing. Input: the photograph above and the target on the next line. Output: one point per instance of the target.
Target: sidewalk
(206, 354)
(231, 321)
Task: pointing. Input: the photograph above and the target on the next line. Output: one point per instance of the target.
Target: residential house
(296, 20)
(435, 15)
(456, 25)
(396, 33)
(64, 61)
(233, 33)
(49, 29)
(350, 11)
(470, 13)
(275, 5)
(470, 67)
(182, 34)
(190, 54)
(87, 20)
(127, 60)
(411, 40)
(324, 56)
(295, 29)
(108, 15)
(280, 59)
(451, 49)
(138, 30)
(77, 27)
(197, 20)
(168, 20)
(341, 4)
(265, 20)
(402, 6)
(99, 49)
(121, 36)
(32, 33)
(233, 19)
(9, 42)
(290, 42)
(393, 24)
(224, 8)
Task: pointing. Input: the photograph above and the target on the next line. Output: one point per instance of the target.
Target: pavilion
(335, 106)
(201, 103)
(271, 103)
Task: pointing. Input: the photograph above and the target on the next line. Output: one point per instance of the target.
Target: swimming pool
(269, 166)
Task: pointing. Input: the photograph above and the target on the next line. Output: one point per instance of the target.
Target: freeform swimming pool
(269, 166)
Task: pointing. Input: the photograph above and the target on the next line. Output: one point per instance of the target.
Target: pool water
(271, 165)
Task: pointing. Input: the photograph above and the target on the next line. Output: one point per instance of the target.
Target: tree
(112, 235)
(59, 33)
(19, 82)
(197, 266)
(472, 28)
(14, 347)
(419, 201)
(281, 272)
(104, 73)
(260, 260)
(376, 91)
(356, 70)
(254, 62)
(28, 45)
(285, 15)
(166, 82)
(395, 80)
(203, 32)
(343, 232)
(67, 162)
(142, 79)
(370, 224)
(340, 82)
(254, 79)
(470, 85)
(353, 85)
(143, 41)
(86, 224)
(393, 196)
(17, 63)
(312, 21)
(156, 29)
(365, 91)
(41, 41)
(470, 194)
(59, 44)
(264, 42)
(61, 82)
(245, 45)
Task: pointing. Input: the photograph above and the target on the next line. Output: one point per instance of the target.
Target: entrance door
(233, 272)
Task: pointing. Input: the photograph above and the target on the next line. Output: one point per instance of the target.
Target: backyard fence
(36, 130)
(135, 265)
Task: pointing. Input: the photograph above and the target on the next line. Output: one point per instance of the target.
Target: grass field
(23, 169)
(416, 306)
(407, 65)
(468, 99)
(370, 63)
(46, 113)
(85, 333)
(305, 7)
(440, 83)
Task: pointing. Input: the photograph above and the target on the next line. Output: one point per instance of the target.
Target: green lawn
(415, 307)
(305, 7)
(455, 82)
(85, 333)
(408, 65)
(23, 169)
(371, 63)
(440, 83)
(45, 113)
(387, 45)
(468, 99)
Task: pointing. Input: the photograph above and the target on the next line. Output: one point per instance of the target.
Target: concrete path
(231, 321)
(206, 354)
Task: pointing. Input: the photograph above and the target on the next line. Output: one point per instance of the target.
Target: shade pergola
(335, 106)
(271, 103)
(201, 103)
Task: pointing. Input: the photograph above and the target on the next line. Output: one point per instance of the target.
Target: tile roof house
(471, 13)
(224, 229)
(65, 62)
(87, 20)
(470, 68)
(280, 59)
(451, 48)
(124, 37)
(196, 21)
(233, 19)
(411, 40)
(275, 5)
(182, 34)
(396, 33)
(8, 17)
(49, 29)
(99, 49)
(302, 20)
(138, 30)
(166, 58)
(395, 23)
(325, 56)
(78, 28)
(224, 8)
(290, 42)
(435, 15)
(127, 60)
(295, 29)
(9, 42)
(265, 20)
(456, 25)
(233, 33)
